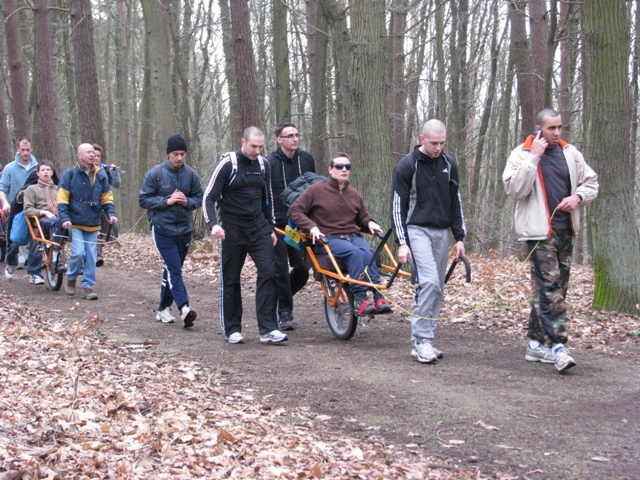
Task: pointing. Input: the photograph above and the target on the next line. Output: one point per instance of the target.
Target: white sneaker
(276, 336)
(235, 337)
(563, 360)
(165, 316)
(36, 280)
(540, 354)
(22, 261)
(8, 272)
(188, 316)
(424, 353)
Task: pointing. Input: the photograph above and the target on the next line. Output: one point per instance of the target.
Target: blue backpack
(19, 229)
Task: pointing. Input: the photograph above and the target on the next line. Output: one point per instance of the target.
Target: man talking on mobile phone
(548, 178)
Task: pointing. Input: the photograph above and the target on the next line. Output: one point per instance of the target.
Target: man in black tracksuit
(241, 186)
(287, 163)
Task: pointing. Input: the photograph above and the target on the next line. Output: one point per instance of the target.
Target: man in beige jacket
(548, 178)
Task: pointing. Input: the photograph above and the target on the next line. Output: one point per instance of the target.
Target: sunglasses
(340, 166)
(290, 136)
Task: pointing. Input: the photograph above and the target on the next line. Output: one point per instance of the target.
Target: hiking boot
(285, 320)
(165, 316)
(89, 294)
(363, 306)
(563, 360)
(235, 337)
(188, 316)
(424, 353)
(382, 304)
(70, 287)
(99, 261)
(36, 280)
(9, 271)
(540, 354)
(276, 336)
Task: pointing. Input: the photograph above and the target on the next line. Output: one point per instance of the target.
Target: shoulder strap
(157, 170)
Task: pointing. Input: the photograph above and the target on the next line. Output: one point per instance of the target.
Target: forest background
(359, 76)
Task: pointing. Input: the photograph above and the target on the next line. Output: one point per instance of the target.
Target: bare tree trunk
(49, 114)
(155, 21)
(606, 49)
(397, 93)
(70, 84)
(245, 63)
(413, 78)
(87, 92)
(281, 62)
(318, 42)
(235, 117)
(568, 59)
(6, 145)
(539, 27)
(441, 72)
(552, 45)
(17, 72)
(524, 64)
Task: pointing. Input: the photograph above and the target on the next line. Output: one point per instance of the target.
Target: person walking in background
(83, 193)
(241, 187)
(170, 192)
(425, 207)
(14, 176)
(115, 181)
(287, 162)
(549, 178)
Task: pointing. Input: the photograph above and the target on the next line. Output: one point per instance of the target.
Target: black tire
(342, 319)
(53, 278)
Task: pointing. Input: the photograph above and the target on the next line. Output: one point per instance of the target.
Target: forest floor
(101, 390)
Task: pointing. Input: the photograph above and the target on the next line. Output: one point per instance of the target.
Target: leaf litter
(73, 406)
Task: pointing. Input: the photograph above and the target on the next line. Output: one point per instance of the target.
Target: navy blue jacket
(80, 202)
(175, 219)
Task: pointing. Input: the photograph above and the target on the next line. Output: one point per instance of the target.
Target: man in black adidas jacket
(288, 162)
(425, 206)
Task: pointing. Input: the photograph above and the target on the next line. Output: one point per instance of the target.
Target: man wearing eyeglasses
(288, 162)
(425, 206)
(335, 210)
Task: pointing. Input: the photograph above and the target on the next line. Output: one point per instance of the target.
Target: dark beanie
(176, 142)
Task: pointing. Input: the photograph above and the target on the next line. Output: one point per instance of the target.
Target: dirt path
(482, 405)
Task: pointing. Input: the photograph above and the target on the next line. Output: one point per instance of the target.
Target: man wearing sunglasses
(425, 206)
(288, 162)
(335, 210)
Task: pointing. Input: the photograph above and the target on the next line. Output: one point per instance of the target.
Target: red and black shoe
(382, 306)
(364, 306)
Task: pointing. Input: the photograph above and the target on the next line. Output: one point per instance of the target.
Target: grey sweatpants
(430, 250)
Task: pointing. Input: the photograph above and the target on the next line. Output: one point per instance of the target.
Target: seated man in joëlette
(40, 201)
(335, 210)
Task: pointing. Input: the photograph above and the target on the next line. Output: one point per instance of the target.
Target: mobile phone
(536, 132)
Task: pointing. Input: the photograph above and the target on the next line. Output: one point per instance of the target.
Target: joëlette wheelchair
(54, 269)
(339, 308)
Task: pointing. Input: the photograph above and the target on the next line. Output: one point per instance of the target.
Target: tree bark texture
(281, 62)
(49, 114)
(607, 110)
(398, 96)
(524, 65)
(86, 75)
(317, 38)
(235, 117)
(155, 22)
(539, 28)
(17, 71)
(244, 63)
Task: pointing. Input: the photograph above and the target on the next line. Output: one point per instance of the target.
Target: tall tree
(17, 71)
(607, 111)
(281, 61)
(318, 42)
(397, 97)
(245, 63)
(155, 24)
(524, 64)
(235, 118)
(86, 75)
(49, 111)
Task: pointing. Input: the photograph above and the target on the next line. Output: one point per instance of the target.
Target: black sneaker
(382, 305)
(364, 306)
(285, 321)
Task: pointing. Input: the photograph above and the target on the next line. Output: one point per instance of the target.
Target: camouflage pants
(550, 267)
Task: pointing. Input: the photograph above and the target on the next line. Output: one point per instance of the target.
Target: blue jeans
(34, 261)
(83, 253)
(173, 250)
(356, 254)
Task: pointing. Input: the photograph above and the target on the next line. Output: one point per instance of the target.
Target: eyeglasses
(340, 166)
(290, 136)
